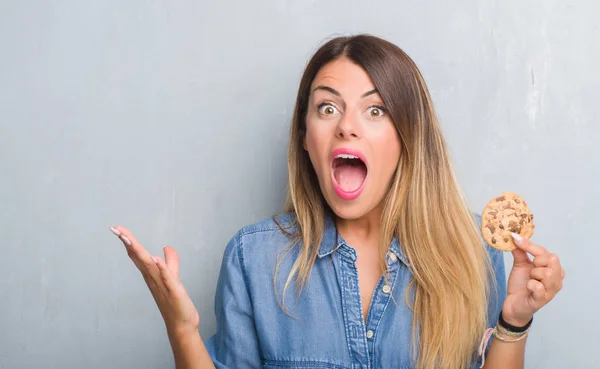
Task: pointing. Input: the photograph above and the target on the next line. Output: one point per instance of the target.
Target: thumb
(520, 257)
(172, 260)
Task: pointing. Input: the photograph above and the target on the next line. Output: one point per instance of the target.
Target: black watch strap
(512, 328)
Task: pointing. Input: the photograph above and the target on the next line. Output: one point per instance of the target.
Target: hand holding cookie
(531, 283)
(507, 224)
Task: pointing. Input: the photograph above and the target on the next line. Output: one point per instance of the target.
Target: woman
(376, 262)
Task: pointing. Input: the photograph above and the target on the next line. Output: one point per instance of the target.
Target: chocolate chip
(514, 227)
(493, 240)
(501, 226)
(517, 201)
(501, 198)
(491, 228)
(505, 239)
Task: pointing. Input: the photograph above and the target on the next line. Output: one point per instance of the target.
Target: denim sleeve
(235, 344)
(498, 286)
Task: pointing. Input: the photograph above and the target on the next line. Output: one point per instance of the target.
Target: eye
(327, 109)
(377, 111)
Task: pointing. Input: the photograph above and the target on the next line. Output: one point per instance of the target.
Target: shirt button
(386, 289)
(393, 257)
(369, 334)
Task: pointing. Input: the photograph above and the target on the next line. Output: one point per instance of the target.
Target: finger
(123, 239)
(542, 274)
(554, 262)
(550, 277)
(137, 253)
(115, 231)
(166, 275)
(520, 257)
(172, 260)
(559, 272)
(530, 247)
(135, 248)
(551, 261)
(538, 292)
(542, 261)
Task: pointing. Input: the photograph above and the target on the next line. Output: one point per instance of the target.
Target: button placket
(380, 301)
(351, 306)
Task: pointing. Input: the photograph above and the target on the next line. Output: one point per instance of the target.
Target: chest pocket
(280, 364)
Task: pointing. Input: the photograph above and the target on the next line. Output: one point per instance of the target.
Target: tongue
(350, 177)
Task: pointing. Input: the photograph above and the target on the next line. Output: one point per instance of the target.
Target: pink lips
(338, 190)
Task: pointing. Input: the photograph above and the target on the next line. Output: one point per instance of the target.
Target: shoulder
(267, 233)
(279, 223)
(251, 255)
(262, 240)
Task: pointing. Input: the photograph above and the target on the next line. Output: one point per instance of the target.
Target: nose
(347, 128)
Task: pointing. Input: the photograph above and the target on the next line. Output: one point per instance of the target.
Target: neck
(361, 231)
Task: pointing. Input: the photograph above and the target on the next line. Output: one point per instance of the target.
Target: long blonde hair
(424, 207)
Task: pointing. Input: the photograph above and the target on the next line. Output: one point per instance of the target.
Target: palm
(162, 278)
(185, 308)
(518, 300)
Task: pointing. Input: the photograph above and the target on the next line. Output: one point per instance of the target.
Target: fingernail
(517, 237)
(154, 259)
(126, 240)
(115, 231)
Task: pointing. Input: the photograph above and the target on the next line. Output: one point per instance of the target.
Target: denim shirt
(326, 329)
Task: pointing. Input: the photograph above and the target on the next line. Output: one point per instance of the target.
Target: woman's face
(351, 140)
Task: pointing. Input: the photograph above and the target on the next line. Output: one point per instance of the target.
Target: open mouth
(349, 172)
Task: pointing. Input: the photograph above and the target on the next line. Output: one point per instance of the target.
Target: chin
(349, 210)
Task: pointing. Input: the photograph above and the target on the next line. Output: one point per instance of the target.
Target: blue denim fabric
(327, 329)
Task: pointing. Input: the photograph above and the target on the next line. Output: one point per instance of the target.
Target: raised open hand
(162, 277)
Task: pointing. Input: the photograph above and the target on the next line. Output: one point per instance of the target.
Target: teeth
(345, 156)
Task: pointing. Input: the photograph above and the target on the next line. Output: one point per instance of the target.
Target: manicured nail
(154, 259)
(517, 237)
(126, 240)
(115, 231)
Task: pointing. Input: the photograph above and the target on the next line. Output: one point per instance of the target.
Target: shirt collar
(332, 240)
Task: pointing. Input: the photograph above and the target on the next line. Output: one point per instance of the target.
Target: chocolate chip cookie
(505, 214)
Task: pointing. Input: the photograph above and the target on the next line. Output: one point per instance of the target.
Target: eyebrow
(333, 91)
